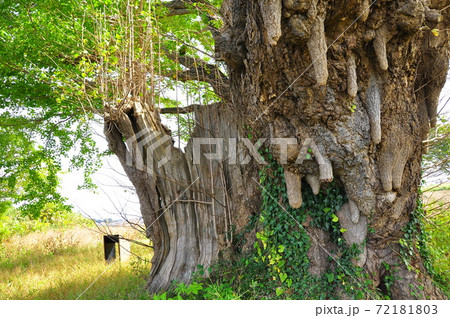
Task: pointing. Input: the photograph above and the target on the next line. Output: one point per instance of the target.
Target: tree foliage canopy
(61, 63)
(436, 162)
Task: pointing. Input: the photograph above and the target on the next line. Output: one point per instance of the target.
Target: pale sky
(115, 193)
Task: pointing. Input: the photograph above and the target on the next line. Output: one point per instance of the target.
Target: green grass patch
(38, 266)
(437, 226)
(13, 222)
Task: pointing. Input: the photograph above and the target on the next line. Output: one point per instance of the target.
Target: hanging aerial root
(354, 211)
(325, 168)
(317, 46)
(352, 78)
(359, 189)
(379, 44)
(394, 156)
(397, 171)
(386, 171)
(355, 232)
(294, 189)
(314, 183)
(373, 103)
(271, 14)
(326, 171)
(364, 10)
(432, 101)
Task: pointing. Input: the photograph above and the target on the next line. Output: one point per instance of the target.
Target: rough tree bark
(190, 209)
(360, 78)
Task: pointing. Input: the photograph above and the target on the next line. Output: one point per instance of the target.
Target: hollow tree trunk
(191, 209)
(362, 81)
(354, 82)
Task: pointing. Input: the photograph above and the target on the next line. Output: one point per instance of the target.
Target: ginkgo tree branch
(436, 139)
(179, 110)
(199, 70)
(181, 7)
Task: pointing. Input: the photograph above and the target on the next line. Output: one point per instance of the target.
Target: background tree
(38, 126)
(360, 79)
(436, 159)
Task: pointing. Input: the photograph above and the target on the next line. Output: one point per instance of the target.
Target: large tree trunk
(362, 81)
(191, 206)
(355, 82)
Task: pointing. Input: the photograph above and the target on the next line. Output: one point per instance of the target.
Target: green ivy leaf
(279, 291)
(289, 282)
(330, 277)
(334, 218)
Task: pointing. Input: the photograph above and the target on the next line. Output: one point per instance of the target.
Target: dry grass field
(69, 264)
